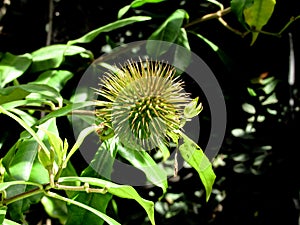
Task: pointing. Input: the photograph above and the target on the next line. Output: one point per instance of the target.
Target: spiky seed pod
(143, 102)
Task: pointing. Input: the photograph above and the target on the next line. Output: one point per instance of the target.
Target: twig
(50, 23)
(210, 16)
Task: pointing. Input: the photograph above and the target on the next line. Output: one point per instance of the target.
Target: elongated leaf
(135, 4)
(66, 110)
(258, 14)
(224, 57)
(238, 6)
(10, 94)
(122, 191)
(9, 222)
(144, 162)
(182, 56)
(168, 32)
(52, 56)
(101, 215)
(195, 157)
(12, 67)
(109, 27)
(100, 167)
(24, 166)
(54, 78)
(3, 210)
(31, 91)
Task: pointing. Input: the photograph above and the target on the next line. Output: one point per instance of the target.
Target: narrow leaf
(168, 32)
(144, 162)
(122, 191)
(135, 4)
(101, 215)
(195, 157)
(107, 28)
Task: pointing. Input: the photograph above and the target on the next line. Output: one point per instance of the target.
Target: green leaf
(222, 55)
(3, 210)
(9, 222)
(168, 32)
(54, 78)
(12, 67)
(238, 6)
(101, 215)
(135, 4)
(101, 166)
(10, 94)
(182, 56)
(122, 191)
(55, 208)
(64, 111)
(144, 162)
(258, 14)
(30, 91)
(107, 28)
(52, 56)
(25, 166)
(195, 157)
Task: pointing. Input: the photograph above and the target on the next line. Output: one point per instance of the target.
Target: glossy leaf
(31, 91)
(258, 14)
(52, 56)
(135, 4)
(10, 94)
(122, 191)
(25, 166)
(100, 167)
(64, 111)
(168, 32)
(107, 28)
(144, 162)
(54, 78)
(12, 67)
(101, 215)
(195, 157)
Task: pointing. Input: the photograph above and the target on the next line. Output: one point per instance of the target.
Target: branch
(210, 16)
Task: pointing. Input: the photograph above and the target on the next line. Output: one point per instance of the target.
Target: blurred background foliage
(257, 167)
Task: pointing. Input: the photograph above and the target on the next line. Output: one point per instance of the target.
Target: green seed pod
(143, 103)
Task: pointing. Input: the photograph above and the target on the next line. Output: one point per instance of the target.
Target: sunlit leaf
(238, 6)
(195, 157)
(101, 167)
(109, 27)
(135, 4)
(52, 56)
(258, 14)
(54, 78)
(122, 191)
(168, 32)
(12, 67)
(144, 162)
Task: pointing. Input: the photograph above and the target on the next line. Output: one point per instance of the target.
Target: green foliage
(38, 168)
